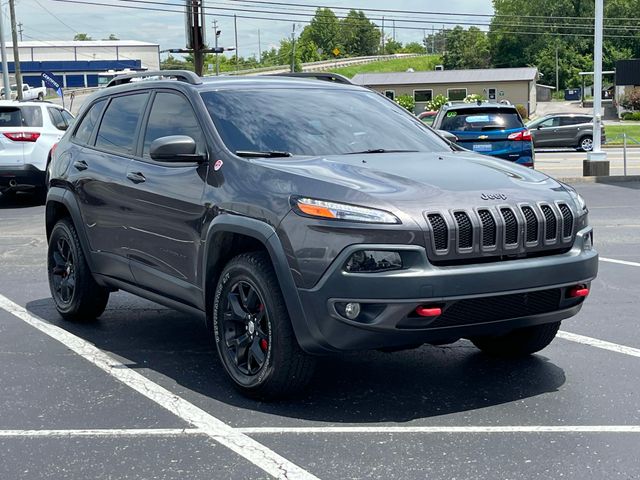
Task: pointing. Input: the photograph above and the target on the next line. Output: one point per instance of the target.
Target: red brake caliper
(264, 345)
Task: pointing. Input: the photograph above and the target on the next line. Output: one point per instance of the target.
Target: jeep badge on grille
(493, 196)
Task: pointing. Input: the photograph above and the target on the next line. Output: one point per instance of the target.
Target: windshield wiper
(379, 150)
(266, 154)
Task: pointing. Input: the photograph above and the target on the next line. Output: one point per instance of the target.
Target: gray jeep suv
(301, 217)
(564, 130)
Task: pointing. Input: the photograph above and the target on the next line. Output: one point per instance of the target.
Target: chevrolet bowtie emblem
(483, 137)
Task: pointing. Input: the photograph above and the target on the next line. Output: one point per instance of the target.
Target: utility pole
(259, 48)
(596, 162)
(16, 48)
(5, 64)
(394, 30)
(293, 49)
(235, 26)
(20, 30)
(433, 40)
(216, 34)
(383, 36)
(195, 28)
(557, 71)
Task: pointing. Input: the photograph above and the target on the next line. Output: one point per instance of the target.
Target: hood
(418, 181)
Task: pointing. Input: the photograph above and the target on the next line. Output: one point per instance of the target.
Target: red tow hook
(578, 291)
(425, 311)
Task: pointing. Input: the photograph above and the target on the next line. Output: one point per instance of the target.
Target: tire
(586, 144)
(40, 97)
(75, 293)
(253, 333)
(520, 342)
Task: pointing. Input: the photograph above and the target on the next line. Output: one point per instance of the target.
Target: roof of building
(80, 43)
(447, 76)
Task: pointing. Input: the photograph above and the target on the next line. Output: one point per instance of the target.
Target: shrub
(436, 103)
(406, 101)
(631, 99)
(631, 116)
(522, 110)
(473, 98)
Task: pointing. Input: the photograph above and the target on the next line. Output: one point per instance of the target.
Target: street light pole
(596, 163)
(5, 64)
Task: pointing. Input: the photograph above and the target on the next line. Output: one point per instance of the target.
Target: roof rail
(180, 75)
(326, 76)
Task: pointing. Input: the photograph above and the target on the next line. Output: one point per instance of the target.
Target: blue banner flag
(51, 81)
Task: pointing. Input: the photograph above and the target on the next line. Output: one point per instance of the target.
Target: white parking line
(595, 342)
(104, 432)
(470, 429)
(621, 262)
(255, 452)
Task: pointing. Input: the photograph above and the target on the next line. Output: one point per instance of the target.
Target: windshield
(315, 121)
(480, 119)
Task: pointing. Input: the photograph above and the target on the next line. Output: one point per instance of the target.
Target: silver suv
(563, 130)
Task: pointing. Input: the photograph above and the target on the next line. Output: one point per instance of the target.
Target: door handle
(136, 177)
(80, 165)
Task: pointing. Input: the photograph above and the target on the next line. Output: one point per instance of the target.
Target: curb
(601, 179)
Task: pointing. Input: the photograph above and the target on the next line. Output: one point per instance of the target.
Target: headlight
(579, 202)
(342, 211)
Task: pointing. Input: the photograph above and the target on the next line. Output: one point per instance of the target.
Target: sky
(51, 20)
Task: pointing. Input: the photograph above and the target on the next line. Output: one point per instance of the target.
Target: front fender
(307, 334)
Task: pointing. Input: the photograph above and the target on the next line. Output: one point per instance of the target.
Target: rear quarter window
(23, 116)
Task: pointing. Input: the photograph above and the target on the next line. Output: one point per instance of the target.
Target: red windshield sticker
(218, 165)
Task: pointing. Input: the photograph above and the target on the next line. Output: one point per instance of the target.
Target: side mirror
(175, 148)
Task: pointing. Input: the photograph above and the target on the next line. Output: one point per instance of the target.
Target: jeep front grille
(460, 236)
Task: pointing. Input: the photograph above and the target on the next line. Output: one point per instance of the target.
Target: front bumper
(480, 299)
(22, 177)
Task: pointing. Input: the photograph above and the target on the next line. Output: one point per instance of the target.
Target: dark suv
(302, 217)
(489, 128)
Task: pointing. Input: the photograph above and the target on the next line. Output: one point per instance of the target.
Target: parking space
(140, 392)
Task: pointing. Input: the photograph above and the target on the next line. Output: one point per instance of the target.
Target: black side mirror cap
(175, 148)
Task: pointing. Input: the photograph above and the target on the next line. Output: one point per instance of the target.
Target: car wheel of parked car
(253, 332)
(75, 293)
(586, 144)
(523, 341)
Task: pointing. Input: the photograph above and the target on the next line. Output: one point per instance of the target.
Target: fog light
(588, 241)
(369, 261)
(352, 310)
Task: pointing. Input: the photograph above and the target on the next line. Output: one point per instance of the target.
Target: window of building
(423, 95)
(456, 94)
(390, 94)
(117, 129)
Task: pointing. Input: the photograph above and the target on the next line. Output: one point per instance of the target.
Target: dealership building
(517, 85)
(79, 63)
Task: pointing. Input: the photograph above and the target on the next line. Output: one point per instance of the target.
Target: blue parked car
(488, 128)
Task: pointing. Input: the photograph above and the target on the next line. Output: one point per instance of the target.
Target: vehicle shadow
(21, 200)
(356, 388)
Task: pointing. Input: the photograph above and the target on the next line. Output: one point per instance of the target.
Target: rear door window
(481, 119)
(23, 116)
(116, 133)
(88, 123)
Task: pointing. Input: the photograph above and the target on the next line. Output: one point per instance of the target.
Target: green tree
(414, 47)
(466, 49)
(392, 46)
(359, 35)
(82, 37)
(112, 36)
(323, 31)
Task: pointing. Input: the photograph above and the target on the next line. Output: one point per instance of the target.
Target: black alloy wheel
(63, 271)
(246, 328)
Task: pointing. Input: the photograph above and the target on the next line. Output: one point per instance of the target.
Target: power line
(55, 16)
(412, 21)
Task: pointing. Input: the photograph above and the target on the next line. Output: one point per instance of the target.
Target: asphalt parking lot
(140, 393)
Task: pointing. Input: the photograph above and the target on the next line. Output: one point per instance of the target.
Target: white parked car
(28, 133)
